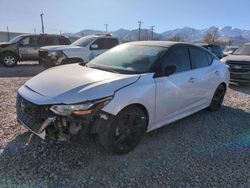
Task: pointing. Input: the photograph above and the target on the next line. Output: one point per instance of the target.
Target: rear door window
(50, 41)
(199, 58)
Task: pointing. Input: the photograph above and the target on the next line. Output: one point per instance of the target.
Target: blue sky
(75, 15)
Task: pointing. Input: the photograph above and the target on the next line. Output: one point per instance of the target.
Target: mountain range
(239, 36)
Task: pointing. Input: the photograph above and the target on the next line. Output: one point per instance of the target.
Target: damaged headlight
(83, 109)
(55, 54)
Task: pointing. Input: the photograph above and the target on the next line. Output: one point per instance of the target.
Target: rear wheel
(218, 98)
(9, 59)
(125, 132)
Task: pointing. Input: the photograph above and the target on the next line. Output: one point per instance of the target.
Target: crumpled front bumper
(42, 122)
(39, 134)
(49, 61)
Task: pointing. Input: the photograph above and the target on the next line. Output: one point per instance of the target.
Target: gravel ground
(203, 150)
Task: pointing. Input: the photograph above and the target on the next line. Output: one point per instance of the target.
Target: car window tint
(214, 49)
(110, 43)
(199, 58)
(41, 41)
(180, 58)
(50, 41)
(63, 41)
(33, 41)
(210, 58)
(105, 43)
(25, 41)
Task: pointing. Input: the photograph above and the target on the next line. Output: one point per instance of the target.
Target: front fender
(141, 92)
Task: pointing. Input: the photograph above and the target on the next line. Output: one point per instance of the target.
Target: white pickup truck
(82, 50)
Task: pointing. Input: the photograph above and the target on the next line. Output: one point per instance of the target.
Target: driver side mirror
(94, 46)
(169, 69)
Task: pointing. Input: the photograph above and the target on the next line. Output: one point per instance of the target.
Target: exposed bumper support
(41, 134)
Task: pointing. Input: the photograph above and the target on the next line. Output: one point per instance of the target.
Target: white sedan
(129, 90)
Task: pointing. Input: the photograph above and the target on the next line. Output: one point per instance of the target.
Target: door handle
(191, 80)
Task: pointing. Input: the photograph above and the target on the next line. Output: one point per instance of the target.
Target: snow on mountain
(186, 33)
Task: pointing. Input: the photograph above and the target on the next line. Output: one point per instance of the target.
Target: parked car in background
(26, 47)
(215, 49)
(118, 96)
(82, 50)
(230, 50)
(239, 63)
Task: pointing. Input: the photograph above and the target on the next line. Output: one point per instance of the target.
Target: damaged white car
(129, 90)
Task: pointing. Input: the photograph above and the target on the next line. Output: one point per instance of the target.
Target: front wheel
(9, 59)
(125, 132)
(218, 98)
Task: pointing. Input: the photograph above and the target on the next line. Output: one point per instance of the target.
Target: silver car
(127, 91)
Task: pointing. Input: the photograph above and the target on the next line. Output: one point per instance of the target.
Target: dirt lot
(204, 150)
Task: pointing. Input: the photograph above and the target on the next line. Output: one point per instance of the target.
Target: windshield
(15, 39)
(244, 50)
(128, 59)
(83, 42)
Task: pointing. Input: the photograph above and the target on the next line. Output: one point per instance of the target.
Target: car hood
(75, 83)
(238, 58)
(59, 47)
(3, 44)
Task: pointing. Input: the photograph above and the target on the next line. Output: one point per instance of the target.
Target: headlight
(224, 59)
(83, 109)
(55, 54)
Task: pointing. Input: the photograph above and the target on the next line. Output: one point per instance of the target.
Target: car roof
(205, 44)
(165, 44)
(53, 35)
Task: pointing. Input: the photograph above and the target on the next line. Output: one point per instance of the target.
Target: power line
(106, 27)
(152, 31)
(139, 29)
(42, 23)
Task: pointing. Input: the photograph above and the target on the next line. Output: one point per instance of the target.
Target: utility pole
(152, 32)
(139, 22)
(106, 27)
(8, 33)
(35, 30)
(230, 41)
(42, 22)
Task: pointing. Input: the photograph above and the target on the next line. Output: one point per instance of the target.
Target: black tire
(125, 131)
(218, 98)
(9, 59)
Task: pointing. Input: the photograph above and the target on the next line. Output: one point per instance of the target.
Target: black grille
(239, 66)
(30, 114)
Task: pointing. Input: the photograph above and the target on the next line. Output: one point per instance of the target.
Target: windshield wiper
(105, 69)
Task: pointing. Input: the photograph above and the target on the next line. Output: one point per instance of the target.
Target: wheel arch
(224, 84)
(11, 52)
(142, 107)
